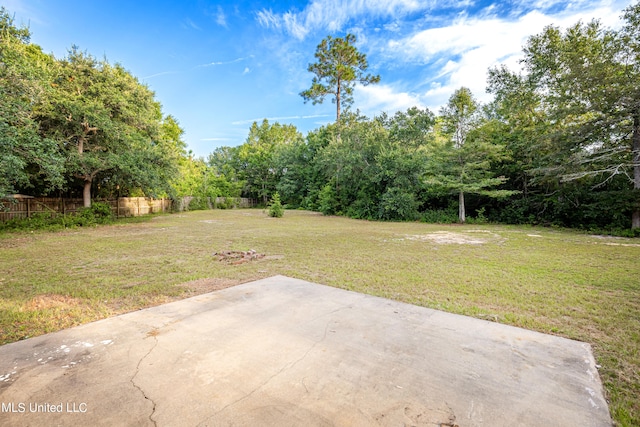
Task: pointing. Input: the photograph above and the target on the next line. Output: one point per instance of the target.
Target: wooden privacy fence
(20, 206)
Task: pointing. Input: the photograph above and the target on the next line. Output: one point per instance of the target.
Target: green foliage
(275, 207)
(440, 216)
(257, 158)
(576, 104)
(199, 203)
(338, 68)
(227, 203)
(79, 122)
(108, 121)
(462, 162)
(27, 159)
(327, 201)
(480, 217)
(398, 204)
(99, 213)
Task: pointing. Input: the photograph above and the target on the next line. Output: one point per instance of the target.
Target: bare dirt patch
(46, 301)
(447, 237)
(210, 284)
(238, 257)
(633, 245)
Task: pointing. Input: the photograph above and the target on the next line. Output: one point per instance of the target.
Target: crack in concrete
(283, 369)
(132, 380)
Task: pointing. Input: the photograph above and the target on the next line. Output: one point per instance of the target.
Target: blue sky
(217, 66)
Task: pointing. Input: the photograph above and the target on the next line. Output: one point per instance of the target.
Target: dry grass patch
(48, 301)
(209, 284)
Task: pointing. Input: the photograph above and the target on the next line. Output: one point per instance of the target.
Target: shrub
(102, 211)
(226, 203)
(398, 204)
(440, 216)
(480, 217)
(275, 207)
(98, 213)
(327, 202)
(199, 203)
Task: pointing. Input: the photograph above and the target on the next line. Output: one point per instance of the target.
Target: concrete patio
(285, 352)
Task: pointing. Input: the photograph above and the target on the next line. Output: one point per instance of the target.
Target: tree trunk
(635, 217)
(461, 212)
(338, 101)
(86, 193)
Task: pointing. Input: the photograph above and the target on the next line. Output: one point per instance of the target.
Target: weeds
(98, 214)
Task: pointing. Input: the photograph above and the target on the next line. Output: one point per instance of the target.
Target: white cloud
(268, 19)
(373, 99)
(334, 15)
(188, 23)
(221, 18)
(463, 51)
(164, 73)
(294, 27)
(247, 70)
(233, 61)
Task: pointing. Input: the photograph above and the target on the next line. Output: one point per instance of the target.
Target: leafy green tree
(27, 160)
(223, 164)
(412, 129)
(520, 120)
(338, 68)
(192, 177)
(105, 123)
(256, 157)
(303, 174)
(586, 81)
(275, 206)
(295, 162)
(401, 163)
(374, 169)
(348, 162)
(462, 162)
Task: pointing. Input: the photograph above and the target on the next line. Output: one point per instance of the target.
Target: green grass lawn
(554, 281)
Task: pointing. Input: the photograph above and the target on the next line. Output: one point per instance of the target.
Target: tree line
(558, 145)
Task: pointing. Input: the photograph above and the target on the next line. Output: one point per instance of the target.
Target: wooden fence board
(26, 206)
(15, 208)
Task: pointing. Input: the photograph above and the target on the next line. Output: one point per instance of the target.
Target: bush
(98, 213)
(275, 207)
(327, 203)
(398, 204)
(440, 216)
(226, 203)
(199, 203)
(102, 211)
(480, 217)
